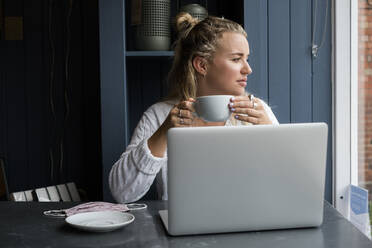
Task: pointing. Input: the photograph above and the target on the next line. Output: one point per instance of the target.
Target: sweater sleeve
(270, 113)
(132, 175)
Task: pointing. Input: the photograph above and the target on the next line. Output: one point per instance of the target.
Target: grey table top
(23, 225)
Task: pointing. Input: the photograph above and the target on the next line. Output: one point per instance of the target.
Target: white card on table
(359, 214)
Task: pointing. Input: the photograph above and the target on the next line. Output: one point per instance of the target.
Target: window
(352, 102)
(364, 40)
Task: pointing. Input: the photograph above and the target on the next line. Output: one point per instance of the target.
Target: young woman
(211, 58)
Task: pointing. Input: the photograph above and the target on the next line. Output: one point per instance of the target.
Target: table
(23, 225)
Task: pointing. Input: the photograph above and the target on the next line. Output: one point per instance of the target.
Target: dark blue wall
(295, 84)
(42, 148)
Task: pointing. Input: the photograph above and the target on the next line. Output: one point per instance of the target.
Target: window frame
(345, 101)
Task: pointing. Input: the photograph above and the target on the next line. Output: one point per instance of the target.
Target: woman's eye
(236, 59)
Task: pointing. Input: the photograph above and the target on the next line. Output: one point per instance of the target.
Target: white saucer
(100, 221)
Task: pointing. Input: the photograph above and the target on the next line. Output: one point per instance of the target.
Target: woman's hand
(249, 109)
(181, 115)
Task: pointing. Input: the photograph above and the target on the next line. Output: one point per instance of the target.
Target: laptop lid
(227, 179)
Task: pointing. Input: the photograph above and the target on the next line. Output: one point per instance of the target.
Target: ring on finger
(182, 121)
(254, 105)
(179, 113)
(251, 97)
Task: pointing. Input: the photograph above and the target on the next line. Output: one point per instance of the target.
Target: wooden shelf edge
(149, 53)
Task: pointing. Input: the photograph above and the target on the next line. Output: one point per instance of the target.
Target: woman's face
(227, 73)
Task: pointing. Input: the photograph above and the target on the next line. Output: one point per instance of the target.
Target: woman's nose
(246, 68)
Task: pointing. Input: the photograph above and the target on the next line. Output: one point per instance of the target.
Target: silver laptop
(231, 179)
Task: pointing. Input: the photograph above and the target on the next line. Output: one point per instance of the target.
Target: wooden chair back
(62, 192)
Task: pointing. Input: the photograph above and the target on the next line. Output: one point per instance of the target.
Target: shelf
(149, 53)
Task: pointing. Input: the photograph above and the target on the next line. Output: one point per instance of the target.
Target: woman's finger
(246, 103)
(182, 112)
(184, 121)
(239, 98)
(247, 111)
(191, 104)
(180, 122)
(185, 113)
(175, 111)
(181, 117)
(186, 105)
(249, 119)
(241, 104)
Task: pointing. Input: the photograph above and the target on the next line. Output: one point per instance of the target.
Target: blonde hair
(195, 38)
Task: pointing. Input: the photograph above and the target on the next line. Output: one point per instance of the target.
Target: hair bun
(184, 23)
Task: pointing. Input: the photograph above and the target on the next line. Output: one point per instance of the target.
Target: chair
(62, 192)
(4, 193)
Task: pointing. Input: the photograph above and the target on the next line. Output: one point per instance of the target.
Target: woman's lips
(242, 83)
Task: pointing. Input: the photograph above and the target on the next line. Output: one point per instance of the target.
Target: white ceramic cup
(213, 108)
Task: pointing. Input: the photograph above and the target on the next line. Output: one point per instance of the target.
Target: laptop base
(164, 218)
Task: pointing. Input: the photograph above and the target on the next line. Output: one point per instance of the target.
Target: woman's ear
(200, 65)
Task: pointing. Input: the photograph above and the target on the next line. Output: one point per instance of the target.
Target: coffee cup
(213, 108)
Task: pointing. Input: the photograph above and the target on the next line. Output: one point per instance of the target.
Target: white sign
(359, 215)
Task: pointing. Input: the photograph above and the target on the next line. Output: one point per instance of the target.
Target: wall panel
(55, 62)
